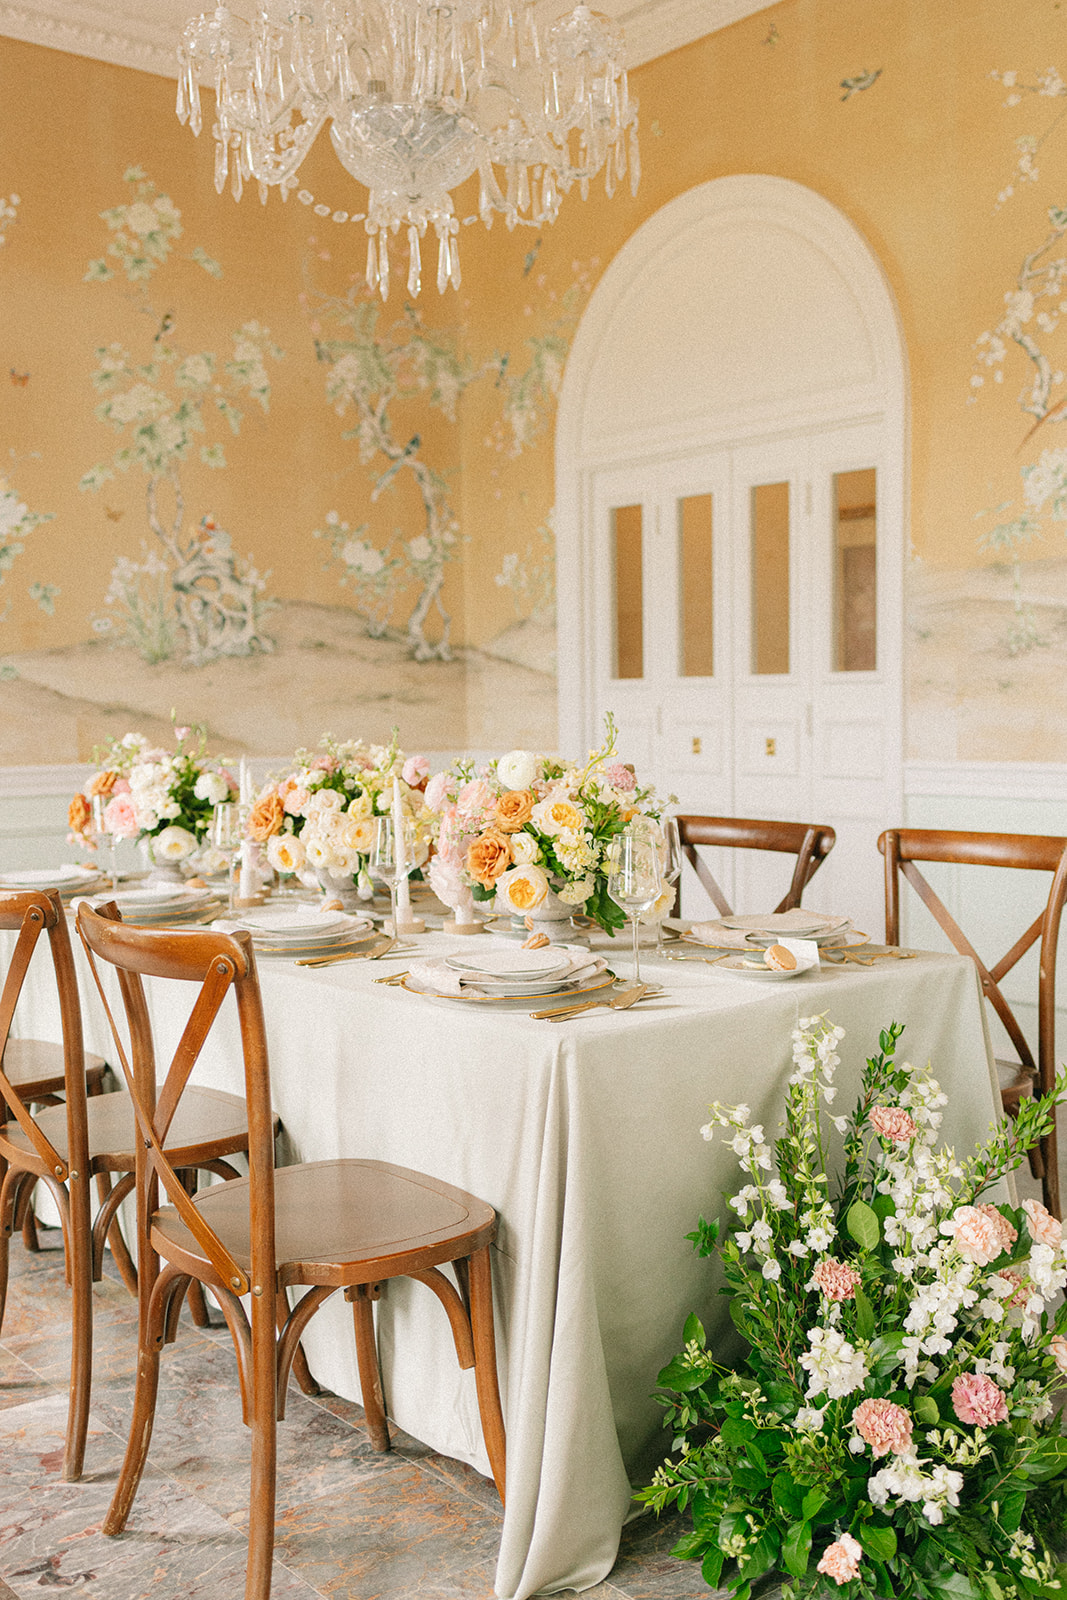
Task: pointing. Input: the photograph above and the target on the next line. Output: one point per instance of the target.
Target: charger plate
(599, 982)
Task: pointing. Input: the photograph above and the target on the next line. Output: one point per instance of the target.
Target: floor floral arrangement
(894, 1429)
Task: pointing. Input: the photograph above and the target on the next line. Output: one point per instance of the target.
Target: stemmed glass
(227, 837)
(392, 859)
(670, 867)
(634, 880)
(99, 832)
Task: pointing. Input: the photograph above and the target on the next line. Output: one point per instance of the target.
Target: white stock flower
(834, 1367)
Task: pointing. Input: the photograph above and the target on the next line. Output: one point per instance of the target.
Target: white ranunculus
(517, 770)
(524, 849)
(286, 853)
(173, 844)
(212, 787)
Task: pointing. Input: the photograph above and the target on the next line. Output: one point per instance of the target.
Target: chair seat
(35, 1068)
(339, 1214)
(206, 1120)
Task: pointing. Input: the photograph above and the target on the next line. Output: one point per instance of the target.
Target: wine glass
(634, 879)
(670, 867)
(227, 837)
(99, 832)
(392, 858)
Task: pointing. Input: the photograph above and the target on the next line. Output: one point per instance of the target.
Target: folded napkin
(714, 933)
(443, 979)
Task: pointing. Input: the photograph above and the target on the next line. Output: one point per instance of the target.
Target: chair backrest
(30, 914)
(218, 963)
(811, 843)
(904, 847)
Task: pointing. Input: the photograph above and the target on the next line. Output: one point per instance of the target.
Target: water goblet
(227, 837)
(100, 833)
(670, 867)
(392, 857)
(634, 879)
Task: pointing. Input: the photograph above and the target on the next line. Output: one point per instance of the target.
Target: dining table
(585, 1135)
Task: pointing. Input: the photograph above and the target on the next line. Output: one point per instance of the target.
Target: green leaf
(796, 1547)
(682, 1377)
(787, 1497)
(690, 1546)
(925, 1410)
(865, 1323)
(813, 1501)
(1012, 1507)
(761, 1556)
(739, 1320)
(704, 1236)
(879, 1543)
(693, 1332)
(952, 1586)
(862, 1223)
(712, 1565)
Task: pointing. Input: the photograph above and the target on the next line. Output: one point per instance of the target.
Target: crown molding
(144, 34)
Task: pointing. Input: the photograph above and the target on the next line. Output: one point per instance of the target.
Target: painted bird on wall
(856, 85)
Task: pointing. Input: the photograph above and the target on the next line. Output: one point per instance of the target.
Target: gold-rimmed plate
(599, 982)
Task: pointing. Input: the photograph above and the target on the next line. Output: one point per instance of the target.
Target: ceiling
(144, 33)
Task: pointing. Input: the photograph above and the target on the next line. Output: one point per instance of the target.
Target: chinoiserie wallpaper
(236, 487)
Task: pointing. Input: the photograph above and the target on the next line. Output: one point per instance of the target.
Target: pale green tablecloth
(585, 1137)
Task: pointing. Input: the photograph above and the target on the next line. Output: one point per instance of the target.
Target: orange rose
(102, 782)
(266, 817)
(488, 857)
(514, 810)
(78, 814)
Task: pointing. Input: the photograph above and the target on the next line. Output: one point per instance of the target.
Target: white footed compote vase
(344, 889)
(168, 855)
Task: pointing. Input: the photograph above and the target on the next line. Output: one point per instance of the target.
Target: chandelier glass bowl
(420, 95)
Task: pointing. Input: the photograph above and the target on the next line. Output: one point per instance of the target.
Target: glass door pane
(696, 594)
(628, 610)
(855, 572)
(770, 577)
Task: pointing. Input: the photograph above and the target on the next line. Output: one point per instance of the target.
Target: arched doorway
(731, 513)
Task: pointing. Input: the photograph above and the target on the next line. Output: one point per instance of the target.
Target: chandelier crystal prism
(419, 97)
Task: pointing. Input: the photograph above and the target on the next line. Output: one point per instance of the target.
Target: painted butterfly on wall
(19, 379)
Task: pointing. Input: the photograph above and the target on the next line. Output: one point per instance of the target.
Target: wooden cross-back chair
(66, 1145)
(319, 1226)
(903, 848)
(810, 843)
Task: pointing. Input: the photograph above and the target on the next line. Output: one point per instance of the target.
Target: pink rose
(1058, 1350)
(1044, 1229)
(415, 771)
(892, 1123)
(475, 796)
(976, 1399)
(884, 1426)
(436, 791)
(621, 777)
(978, 1238)
(295, 800)
(122, 786)
(837, 1281)
(120, 819)
(840, 1560)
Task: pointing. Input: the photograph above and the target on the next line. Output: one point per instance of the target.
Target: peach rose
(884, 1426)
(514, 810)
(102, 783)
(79, 813)
(840, 1560)
(976, 1399)
(488, 858)
(1044, 1229)
(266, 816)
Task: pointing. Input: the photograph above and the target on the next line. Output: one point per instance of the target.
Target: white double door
(746, 635)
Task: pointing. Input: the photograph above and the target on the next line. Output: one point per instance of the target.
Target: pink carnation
(476, 795)
(436, 791)
(621, 777)
(978, 1237)
(1058, 1350)
(892, 1123)
(841, 1559)
(1044, 1229)
(416, 770)
(837, 1281)
(977, 1399)
(884, 1425)
(1006, 1233)
(120, 819)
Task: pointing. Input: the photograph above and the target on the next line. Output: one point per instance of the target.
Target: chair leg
(264, 1453)
(30, 1241)
(1050, 1183)
(81, 1355)
(370, 1375)
(6, 1207)
(119, 1251)
(300, 1369)
(144, 1401)
(484, 1332)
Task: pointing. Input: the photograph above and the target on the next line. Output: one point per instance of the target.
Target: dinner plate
(48, 877)
(797, 924)
(283, 922)
(511, 963)
(602, 980)
(155, 896)
(742, 966)
(529, 986)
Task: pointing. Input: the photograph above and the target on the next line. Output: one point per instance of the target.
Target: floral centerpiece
(893, 1430)
(528, 826)
(320, 817)
(163, 797)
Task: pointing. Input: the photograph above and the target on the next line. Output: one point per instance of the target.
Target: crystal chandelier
(419, 95)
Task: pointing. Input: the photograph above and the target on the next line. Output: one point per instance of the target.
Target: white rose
(286, 853)
(517, 770)
(522, 889)
(344, 863)
(173, 844)
(212, 787)
(325, 800)
(169, 810)
(318, 853)
(524, 849)
(358, 833)
(361, 806)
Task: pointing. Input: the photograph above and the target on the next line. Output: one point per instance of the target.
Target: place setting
(306, 934)
(501, 975)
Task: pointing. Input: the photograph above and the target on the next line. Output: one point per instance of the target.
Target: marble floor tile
(19, 1383)
(645, 1569)
(31, 1440)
